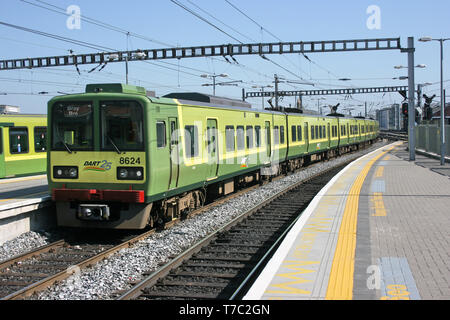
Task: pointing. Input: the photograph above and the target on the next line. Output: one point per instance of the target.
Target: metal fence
(428, 138)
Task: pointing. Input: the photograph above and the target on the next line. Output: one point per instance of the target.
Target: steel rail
(47, 282)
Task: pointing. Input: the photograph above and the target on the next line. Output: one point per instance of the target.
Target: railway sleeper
(234, 257)
(171, 295)
(193, 283)
(215, 264)
(207, 274)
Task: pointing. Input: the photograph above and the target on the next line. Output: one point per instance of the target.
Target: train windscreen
(121, 126)
(72, 126)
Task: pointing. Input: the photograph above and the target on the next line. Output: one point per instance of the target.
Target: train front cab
(97, 163)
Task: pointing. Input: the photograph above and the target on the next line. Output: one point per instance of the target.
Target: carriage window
(18, 140)
(191, 141)
(1, 140)
(282, 134)
(294, 133)
(40, 139)
(72, 126)
(276, 135)
(240, 137)
(299, 133)
(229, 138)
(258, 136)
(312, 132)
(160, 134)
(249, 136)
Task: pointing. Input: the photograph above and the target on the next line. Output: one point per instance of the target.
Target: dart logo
(99, 166)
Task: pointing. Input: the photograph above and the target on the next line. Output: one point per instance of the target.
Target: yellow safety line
(379, 172)
(340, 285)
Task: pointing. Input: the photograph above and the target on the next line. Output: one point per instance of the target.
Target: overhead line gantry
(204, 51)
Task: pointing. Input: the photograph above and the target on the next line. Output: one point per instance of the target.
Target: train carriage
(23, 144)
(120, 159)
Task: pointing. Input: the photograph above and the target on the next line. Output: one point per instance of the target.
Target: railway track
(394, 135)
(231, 256)
(36, 270)
(26, 274)
(222, 265)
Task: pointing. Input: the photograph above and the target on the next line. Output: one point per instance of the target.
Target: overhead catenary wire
(59, 10)
(99, 23)
(276, 37)
(204, 19)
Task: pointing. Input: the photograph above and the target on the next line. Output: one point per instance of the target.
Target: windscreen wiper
(115, 146)
(66, 145)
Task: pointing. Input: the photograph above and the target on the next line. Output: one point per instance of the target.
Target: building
(5, 109)
(390, 118)
(436, 118)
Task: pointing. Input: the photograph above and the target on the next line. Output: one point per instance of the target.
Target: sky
(165, 23)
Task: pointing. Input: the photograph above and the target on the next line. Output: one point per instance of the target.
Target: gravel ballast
(107, 277)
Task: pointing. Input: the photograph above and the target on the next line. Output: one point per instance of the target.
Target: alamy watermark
(74, 19)
(75, 279)
(373, 22)
(374, 280)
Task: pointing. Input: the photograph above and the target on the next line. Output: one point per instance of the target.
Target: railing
(428, 138)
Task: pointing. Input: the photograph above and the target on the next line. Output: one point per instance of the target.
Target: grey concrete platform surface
(379, 230)
(24, 206)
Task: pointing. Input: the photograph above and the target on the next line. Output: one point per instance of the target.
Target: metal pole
(126, 61)
(442, 105)
(411, 106)
(419, 97)
(262, 98)
(276, 91)
(214, 85)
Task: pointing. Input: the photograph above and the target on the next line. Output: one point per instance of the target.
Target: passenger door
(268, 140)
(213, 154)
(174, 153)
(328, 136)
(2, 155)
(306, 137)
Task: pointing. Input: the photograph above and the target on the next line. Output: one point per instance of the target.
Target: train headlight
(65, 172)
(123, 173)
(130, 173)
(73, 172)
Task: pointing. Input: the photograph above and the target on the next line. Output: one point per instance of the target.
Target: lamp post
(418, 66)
(441, 41)
(213, 77)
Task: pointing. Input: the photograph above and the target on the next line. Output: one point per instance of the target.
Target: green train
(23, 144)
(120, 159)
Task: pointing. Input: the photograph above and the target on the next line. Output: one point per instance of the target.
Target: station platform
(24, 204)
(379, 230)
(15, 190)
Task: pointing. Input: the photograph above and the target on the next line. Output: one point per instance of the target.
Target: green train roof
(115, 88)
